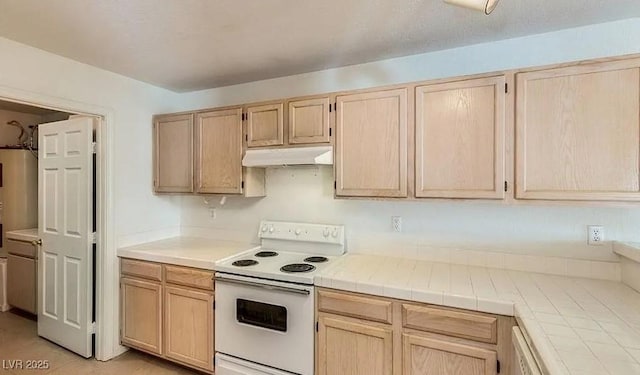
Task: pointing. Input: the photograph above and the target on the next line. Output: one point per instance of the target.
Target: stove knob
(325, 232)
(334, 234)
(271, 229)
(297, 232)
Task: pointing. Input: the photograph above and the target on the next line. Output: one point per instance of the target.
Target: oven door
(266, 322)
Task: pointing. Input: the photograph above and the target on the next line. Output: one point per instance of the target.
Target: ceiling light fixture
(487, 6)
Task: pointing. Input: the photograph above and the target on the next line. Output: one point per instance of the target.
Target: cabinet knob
(37, 242)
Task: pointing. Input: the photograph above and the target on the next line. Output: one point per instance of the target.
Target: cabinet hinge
(506, 88)
(242, 184)
(246, 137)
(498, 367)
(330, 107)
(335, 185)
(243, 117)
(317, 327)
(506, 186)
(94, 237)
(92, 327)
(94, 147)
(214, 305)
(329, 132)
(335, 107)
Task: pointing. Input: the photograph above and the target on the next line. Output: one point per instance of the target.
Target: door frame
(107, 335)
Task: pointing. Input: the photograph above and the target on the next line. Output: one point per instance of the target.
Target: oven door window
(261, 315)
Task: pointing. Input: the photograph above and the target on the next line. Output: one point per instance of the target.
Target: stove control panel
(280, 230)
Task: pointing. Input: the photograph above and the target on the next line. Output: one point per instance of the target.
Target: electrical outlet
(396, 223)
(595, 235)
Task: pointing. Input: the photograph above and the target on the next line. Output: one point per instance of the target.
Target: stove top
(266, 254)
(297, 268)
(286, 266)
(244, 263)
(290, 252)
(316, 259)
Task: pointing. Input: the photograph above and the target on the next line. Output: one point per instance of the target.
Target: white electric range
(265, 299)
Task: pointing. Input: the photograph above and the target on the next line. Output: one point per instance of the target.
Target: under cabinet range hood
(317, 155)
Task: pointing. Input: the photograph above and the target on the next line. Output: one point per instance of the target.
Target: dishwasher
(525, 363)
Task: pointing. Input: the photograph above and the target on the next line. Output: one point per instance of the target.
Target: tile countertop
(629, 250)
(185, 251)
(27, 235)
(575, 325)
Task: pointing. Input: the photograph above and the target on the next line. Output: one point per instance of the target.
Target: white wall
(139, 215)
(306, 194)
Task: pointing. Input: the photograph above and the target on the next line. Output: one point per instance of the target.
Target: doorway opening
(36, 284)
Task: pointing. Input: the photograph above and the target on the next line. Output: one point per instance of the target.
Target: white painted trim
(107, 337)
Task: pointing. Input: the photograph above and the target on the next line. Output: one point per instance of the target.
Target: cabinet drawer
(25, 249)
(452, 323)
(356, 306)
(189, 276)
(139, 268)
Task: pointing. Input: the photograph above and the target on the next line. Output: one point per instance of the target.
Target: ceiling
(186, 45)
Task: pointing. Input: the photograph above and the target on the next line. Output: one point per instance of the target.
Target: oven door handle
(264, 286)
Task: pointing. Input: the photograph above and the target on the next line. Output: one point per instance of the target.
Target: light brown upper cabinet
(460, 138)
(173, 153)
(265, 125)
(371, 144)
(219, 151)
(578, 131)
(308, 121)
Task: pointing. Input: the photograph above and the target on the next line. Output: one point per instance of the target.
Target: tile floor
(19, 341)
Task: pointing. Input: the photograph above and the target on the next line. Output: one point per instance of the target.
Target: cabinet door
(578, 131)
(309, 121)
(431, 356)
(219, 152)
(371, 144)
(460, 139)
(352, 347)
(21, 282)
(141, 314)
(189, 327)
(173, 154)
(265, 125)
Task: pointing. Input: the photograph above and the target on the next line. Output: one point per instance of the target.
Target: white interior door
(65, 225)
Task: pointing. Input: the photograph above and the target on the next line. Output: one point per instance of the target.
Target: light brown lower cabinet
(141, 317)
(412, 339)
(432, 356)
(354, 347)
(167, 311)
(188, 326)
